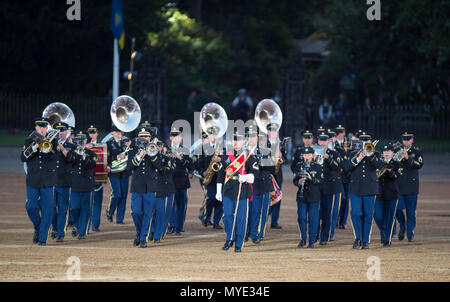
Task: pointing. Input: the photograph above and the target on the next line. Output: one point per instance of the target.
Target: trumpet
(367, 148)
(385, 168)
(319, 151)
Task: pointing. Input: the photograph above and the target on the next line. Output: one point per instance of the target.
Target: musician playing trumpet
(387, 199)
(362, 190)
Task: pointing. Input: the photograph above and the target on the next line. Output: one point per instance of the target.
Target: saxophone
(213, 167)
(278, 160)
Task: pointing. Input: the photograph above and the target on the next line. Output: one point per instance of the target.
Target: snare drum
(101, 170)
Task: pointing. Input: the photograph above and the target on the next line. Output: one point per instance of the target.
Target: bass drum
(101, 169)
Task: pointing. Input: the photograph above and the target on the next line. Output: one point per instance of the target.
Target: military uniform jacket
(64, 167)
(204, 159)
(114, 149)
(345, 175)
(311, 188)
(145, 172)
(40, 167)
(388, 183)
(408, 180)
(363, 178)
(278, 176)
(83, 172)
(166, 185)
(182, 169)
(263, 181)
(331, 170)
(231, 188)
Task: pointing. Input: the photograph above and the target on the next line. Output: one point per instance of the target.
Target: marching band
(241, 177)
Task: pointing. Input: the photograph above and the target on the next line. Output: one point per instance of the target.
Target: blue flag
(117, 22)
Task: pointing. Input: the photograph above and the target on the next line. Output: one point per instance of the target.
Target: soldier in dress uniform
(165, 191)
(342, 148)
(183, 173)
(362, 191)
(307, 139)
(387, 199)
(82, 185)
(40, 180)
(144, 182)
(338, 186)
(272, 141)
(203, 162)
(65, 156)
(238, 171)
(97, 194)
(330, 186)
(119, 180)
(261, 187)
(307, 176)
(408, 183)
(196, 163)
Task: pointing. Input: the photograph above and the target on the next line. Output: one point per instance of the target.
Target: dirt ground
(196, 255)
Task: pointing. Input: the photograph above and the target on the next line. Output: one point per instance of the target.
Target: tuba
(213, 115)
(126, 116)
(267, 111)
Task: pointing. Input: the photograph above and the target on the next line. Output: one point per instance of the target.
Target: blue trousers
(142, 207)
(274, 211)
(249, 218)
(40, 206)
(258, 217)
(163, 208)
(384, 217)
(361, 214)
(343, 209)
(179, 209)
(335, 212)
(118, 197)
(326, 210)
(308, 213)
(235, 219)
(97, 200)
(213, 203)
(409, 203)
(79, 205)
(61, 201)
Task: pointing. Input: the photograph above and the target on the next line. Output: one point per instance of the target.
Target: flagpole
(115, 91)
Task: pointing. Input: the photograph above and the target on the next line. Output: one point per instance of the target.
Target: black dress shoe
(60, 239)
(150, 237)
(387, 243)
(171, 230)
(237, 249)
(401, 236)
(81, 237)
(331, 238)
(177, 232)
(323, 242)
(54, 234)
(143, 244)
(357, 244)
(256, 241)
(74, 231)
(411, 239)
(382, 241)
(311, 245)
(317, 238)
(217, 227)
(42, 243)
(275, 226)
(108, 217)
(136, 240)
(365, 245)
(209, 223)
(341, 227)
(302, 243)
(35, 238)
(95, 230)
(227, 245)
(157, 240)
(120, 222)
(204, 223)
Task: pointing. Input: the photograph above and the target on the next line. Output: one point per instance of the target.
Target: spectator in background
(242, 105)
(325, 113)
(341, 110)
(309, 113)
(277, 97)
(366, 115)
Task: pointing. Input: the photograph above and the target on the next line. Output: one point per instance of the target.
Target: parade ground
(196, 255)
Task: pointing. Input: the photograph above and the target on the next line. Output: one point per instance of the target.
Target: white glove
(247, 178)
(219, 192)
(35, 147)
